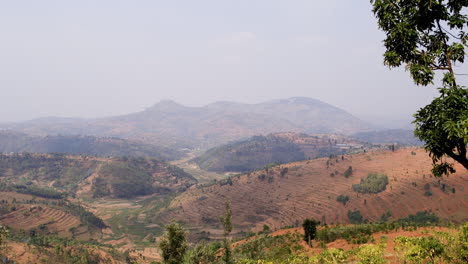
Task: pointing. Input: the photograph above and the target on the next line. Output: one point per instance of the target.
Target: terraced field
(310, 189)
(28, 217)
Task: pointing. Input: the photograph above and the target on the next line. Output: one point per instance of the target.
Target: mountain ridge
(172, 124)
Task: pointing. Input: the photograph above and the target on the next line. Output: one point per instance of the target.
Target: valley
(112, 197)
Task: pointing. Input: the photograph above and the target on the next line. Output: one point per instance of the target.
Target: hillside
(41, 215)
(389, 136)
(168, 123)
(259, 151)
(375, 243)
(17, 142)
(287, 194)
(91, 177)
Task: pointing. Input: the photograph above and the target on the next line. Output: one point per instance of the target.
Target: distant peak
(303, 100)
(166, 106)
(300, 101)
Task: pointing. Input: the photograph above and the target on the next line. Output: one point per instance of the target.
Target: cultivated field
(310, 189)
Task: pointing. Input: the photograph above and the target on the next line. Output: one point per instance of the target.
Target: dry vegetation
(310, 188)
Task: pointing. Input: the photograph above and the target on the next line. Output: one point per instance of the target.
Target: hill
(259, 151)
(175, 125)
(287, 194)
(374, 243)
(90, 177)
(55, 216)
(389, 136)
(17, 142)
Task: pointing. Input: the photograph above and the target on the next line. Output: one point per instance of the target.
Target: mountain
(171, 124)
(17, 142)
(307, 114)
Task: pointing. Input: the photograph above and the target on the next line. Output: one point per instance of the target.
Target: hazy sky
(108, 57)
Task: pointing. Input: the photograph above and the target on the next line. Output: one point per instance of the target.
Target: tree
(202, 254)
(226, 221)
(348, 172)
(429, 36)
(173, 244)
(4, 234)
(310, 229)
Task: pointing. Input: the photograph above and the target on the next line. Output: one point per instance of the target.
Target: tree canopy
(173, 244)
(428, 36)
(310, 229)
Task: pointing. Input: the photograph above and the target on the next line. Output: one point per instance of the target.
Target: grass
(201, 175)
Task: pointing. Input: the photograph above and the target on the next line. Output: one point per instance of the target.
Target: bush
(420, 218)
(374, 183)
(348, 172)
(343, 199)
(355, 217)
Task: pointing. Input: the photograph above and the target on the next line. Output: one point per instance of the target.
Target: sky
(92, 58)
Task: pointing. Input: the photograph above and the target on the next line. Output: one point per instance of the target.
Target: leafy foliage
(370, 254)
(342, 199)
(420, 249)
(310, 229)
(226, 221)
(374, 183)
(443, 125)
(348, 172)
(201, 254)
(173, 244)
(355, 217)
(420, 218)
(430, 35)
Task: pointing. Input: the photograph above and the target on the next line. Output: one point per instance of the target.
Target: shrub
(355, 217)
(370, 254)
(343, 199)
(428, 193)
(420, 218)
(348, 172)
(374, 183)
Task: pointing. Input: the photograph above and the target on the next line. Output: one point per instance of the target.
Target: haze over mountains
(171, 124)
(18, 142)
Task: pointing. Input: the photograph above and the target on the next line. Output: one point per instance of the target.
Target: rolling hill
(287, 194)
(258, 151)
(170, 124)
(90, 176)
(17, 142)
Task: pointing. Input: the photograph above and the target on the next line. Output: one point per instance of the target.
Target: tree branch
(447, 54)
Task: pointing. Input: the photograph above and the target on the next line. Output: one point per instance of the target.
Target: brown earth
(22, 253)
(27, 216)
(308, 190)
(19, 197)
